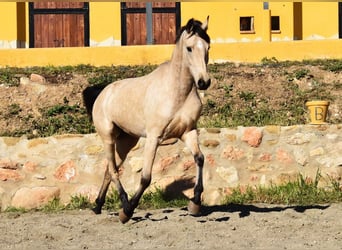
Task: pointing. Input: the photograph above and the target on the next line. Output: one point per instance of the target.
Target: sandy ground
(256, 226)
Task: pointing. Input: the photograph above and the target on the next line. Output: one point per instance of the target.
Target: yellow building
(97, 32)
(103, 23)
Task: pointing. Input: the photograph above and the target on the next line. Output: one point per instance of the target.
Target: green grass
(303, 191)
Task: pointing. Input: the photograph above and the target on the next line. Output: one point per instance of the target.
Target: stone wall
(34, 171)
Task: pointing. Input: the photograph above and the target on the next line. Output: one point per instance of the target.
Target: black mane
(194, 27)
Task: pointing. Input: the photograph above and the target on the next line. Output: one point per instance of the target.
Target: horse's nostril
(203, 85)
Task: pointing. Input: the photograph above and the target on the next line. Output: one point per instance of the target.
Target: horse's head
(195, 44)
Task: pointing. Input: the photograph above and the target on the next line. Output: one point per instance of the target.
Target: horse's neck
(182, 78)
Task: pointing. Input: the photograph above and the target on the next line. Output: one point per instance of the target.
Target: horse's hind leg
(115, 155)
(191, 140)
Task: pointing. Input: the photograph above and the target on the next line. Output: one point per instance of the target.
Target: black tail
(89, 96)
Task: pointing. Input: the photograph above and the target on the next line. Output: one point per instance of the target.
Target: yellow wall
(8, 28)
(320, 21)
(105, 23)
(156, 54)
(284, 10)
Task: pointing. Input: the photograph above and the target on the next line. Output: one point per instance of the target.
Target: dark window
(275, 23)
(247, 24)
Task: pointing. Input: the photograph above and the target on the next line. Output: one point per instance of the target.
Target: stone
(30, 166)
(301, 157)
(213, 130)
(188, 165)
(299, 139)
(166, 162)
(231, 137)
(228, 174)
(253, 136)
(10, 175)
(211, 143)
(136, 163)
(265, 157)
(317, 151)
(88, 191)
(232, 153)
(8, 164)
(283, 156)
(11, 141)
(93, 149)
(36, 142)
(35, 197)
(210, 159)
(66, 172)
(272, 129)
(37, 78)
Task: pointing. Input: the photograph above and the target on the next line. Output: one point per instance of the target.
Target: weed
(302, 191)
(13, 109)
(11, 209)
(160, 199)
(112, 200)
(270, 62)
(53, 205)
(79, 202)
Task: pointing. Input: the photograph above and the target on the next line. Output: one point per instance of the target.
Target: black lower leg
(199, 159)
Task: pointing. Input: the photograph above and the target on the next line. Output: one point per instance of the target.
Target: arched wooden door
(165, 22)
(59, 24)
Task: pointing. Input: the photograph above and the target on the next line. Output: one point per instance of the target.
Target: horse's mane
(194, 27)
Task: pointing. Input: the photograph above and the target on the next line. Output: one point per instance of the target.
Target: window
(275, 24)
(247, 24)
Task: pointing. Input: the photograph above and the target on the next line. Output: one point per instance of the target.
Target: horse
(161, 105)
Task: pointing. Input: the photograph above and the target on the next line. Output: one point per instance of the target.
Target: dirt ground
(220, 227)
(243, 84)
(237, 227)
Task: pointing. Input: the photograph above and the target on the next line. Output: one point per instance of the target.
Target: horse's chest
(183, 120)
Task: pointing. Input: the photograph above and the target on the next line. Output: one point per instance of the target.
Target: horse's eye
(189, 49)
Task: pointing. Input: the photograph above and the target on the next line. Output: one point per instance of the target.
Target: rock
(301, 157)
(299, 139)
(166, 162)
(66, 172)
(10, 175)
(8, 164)
(35, 197)
(37, 78)
(136, 163)
(228, 174)
(253, 136)
(283, 156)
(265, 157)
(232, 153)
(210, 143)
(89, 191)
(317, 151)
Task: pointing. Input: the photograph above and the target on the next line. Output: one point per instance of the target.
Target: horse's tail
(89, 96)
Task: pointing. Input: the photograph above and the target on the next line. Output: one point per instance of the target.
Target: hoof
(123, 217)
(193, 208)
(97, 210)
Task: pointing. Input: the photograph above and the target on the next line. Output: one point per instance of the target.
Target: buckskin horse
(161, 105)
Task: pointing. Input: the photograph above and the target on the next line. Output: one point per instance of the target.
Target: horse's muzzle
(202, 84)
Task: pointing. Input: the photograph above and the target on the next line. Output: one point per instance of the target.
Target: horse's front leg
(191, 141)
(150, 149)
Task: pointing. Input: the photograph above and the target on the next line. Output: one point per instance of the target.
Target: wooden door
(59, 24)
(165, 22)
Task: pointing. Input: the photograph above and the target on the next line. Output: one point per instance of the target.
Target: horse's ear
(190, 25)
(205, 24)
